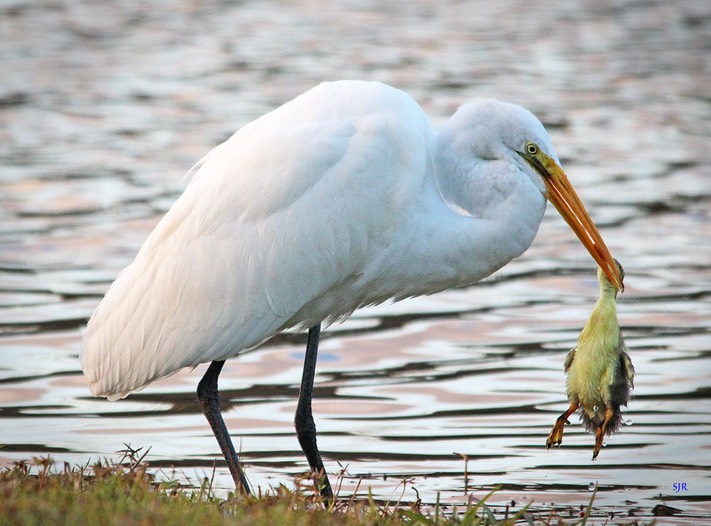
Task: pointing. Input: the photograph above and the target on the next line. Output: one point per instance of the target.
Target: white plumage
(326, 204)
(344, 197)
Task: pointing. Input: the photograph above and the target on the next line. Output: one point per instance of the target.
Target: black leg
(210, 403)
(304, 420)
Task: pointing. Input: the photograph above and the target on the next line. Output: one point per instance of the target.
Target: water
(104, 107)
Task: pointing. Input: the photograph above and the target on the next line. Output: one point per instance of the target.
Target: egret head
(481, 138)
(560, 192)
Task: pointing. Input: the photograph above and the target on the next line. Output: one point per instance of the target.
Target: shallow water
(104, 107)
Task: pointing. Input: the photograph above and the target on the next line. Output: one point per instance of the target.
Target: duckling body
(599, 371)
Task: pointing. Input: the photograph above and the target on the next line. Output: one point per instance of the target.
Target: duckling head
(606, 286)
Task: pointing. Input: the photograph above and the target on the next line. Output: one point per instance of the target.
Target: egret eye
(532, 148)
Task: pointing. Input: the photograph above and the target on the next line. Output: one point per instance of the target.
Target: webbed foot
(600, 431)
(556, 435)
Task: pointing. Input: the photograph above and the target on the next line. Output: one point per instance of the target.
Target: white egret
(344, 197)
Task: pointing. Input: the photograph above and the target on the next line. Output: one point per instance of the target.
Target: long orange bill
(561, 194)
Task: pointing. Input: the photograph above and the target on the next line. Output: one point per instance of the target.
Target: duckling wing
(569, 360)
(628, 368)
(623, 380)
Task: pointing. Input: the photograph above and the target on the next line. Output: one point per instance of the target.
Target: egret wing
(291, 206)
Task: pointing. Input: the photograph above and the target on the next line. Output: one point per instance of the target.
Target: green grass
(124, 493)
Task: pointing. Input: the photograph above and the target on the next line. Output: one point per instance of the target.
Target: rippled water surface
(104, 107)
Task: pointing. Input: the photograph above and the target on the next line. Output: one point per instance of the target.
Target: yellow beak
(560, 192)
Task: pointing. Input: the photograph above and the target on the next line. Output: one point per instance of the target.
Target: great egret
(600, 372)
(344, 197)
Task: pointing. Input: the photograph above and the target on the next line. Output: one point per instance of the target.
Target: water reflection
(100, 122)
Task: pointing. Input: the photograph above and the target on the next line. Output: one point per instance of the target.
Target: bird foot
(556, 435)
(600, 431)
(599, 436)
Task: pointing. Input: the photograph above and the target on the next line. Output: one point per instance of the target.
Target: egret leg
(304, 420)
(210, 403)
(556, 435)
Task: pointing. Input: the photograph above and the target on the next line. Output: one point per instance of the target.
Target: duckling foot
(556, 435)
(599, 435)
(600, 431)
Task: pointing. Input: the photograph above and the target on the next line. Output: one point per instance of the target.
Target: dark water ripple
(98, 124)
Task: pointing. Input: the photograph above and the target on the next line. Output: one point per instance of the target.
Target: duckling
(600, 372)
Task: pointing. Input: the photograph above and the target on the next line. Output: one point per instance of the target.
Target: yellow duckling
(600, 373)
